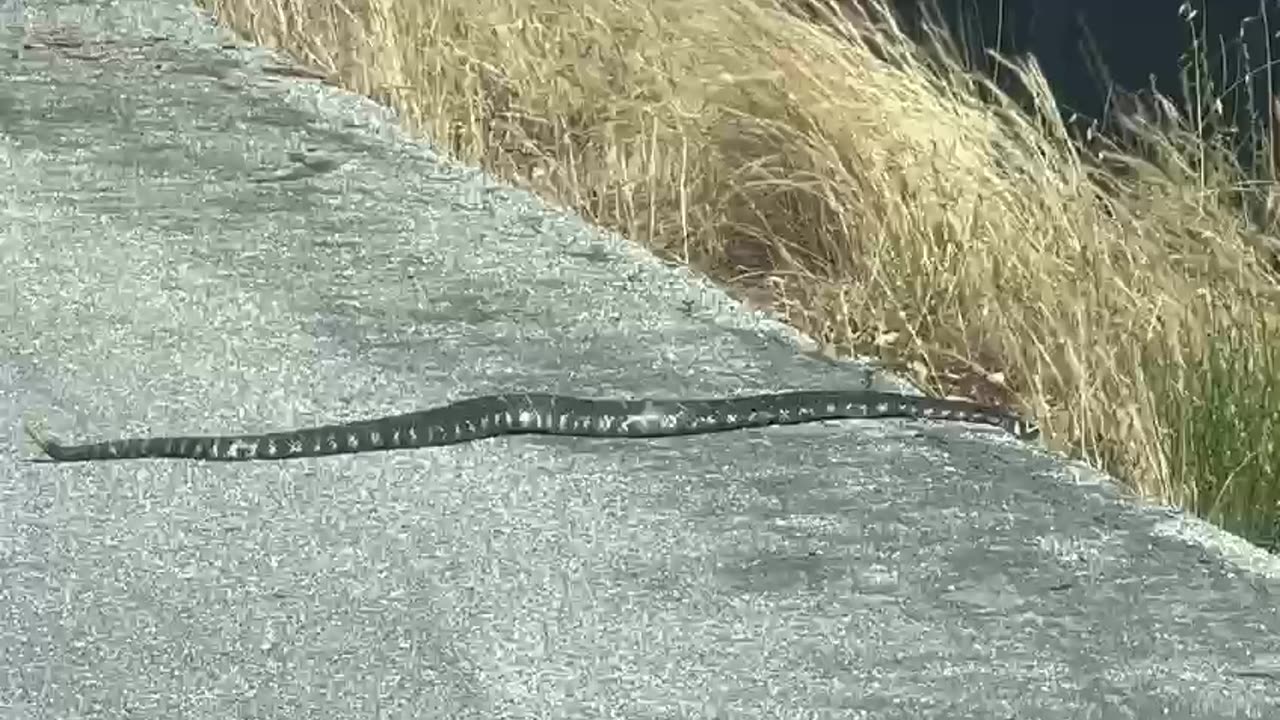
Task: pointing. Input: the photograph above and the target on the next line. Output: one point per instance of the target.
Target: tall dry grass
(877, 195)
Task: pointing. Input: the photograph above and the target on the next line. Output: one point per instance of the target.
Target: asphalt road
(192, 244)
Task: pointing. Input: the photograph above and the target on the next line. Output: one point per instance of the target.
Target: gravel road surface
(191, 242)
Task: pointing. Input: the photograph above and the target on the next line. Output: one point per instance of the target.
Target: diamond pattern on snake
(545, 414)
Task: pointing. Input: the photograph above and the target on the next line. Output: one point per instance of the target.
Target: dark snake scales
(545, 414)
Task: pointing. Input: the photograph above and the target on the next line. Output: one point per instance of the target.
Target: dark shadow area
(1103, 56)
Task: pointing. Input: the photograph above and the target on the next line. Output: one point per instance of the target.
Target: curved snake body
(541, 413)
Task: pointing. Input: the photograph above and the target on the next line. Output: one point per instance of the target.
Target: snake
(491, 416)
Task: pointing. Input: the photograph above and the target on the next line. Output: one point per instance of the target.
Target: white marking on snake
(645, 419)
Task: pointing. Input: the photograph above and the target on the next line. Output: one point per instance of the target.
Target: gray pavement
(192, 244)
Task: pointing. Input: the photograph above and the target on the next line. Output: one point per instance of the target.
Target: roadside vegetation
(882, 198)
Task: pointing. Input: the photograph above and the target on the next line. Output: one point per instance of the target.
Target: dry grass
(865, 192)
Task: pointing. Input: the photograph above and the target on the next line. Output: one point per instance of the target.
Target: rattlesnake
(542, 413)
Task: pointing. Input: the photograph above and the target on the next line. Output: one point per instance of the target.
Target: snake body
(547, 414)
